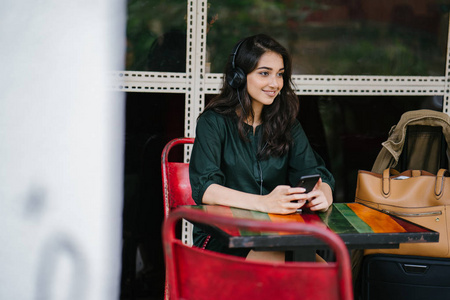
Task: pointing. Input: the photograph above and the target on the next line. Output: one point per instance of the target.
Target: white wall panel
(61, 149)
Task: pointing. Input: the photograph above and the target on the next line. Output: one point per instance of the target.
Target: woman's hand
(286, 200)
(320, 198)
(283, 200)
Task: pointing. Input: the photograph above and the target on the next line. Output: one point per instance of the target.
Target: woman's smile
(271, 93)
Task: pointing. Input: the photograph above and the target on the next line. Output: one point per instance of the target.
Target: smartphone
(308, 182)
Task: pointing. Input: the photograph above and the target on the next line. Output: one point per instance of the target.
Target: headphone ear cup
(236, 78)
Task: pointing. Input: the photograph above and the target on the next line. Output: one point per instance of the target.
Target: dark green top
(220, 156)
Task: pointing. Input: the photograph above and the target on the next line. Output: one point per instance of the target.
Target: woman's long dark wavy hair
(277, 118)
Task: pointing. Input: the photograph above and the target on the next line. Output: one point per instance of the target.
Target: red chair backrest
(175, 178)
(199, 274)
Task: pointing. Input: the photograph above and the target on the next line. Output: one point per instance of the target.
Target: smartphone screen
(308, 182)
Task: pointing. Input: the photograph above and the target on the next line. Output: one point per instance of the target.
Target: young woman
(250, 150)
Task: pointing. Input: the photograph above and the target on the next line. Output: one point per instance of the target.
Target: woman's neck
(254, 122)
(257, 110)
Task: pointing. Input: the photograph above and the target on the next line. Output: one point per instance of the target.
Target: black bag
(399, 277)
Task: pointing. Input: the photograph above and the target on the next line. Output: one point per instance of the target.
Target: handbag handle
(386, 183)
(439, 187)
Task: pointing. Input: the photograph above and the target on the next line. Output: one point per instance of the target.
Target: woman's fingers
(317, 200)
(317, 186)
(285, 199)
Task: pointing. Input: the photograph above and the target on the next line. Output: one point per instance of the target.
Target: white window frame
(195, 82)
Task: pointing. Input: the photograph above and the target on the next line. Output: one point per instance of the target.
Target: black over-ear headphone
(236, 77)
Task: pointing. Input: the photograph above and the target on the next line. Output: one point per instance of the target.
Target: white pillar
(61, 146)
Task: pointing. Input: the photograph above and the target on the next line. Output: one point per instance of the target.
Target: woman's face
(266, 80)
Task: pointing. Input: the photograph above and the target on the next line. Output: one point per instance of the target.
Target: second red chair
(202, 274)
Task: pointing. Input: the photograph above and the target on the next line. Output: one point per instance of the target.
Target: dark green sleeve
(205, 161)
(303, 160)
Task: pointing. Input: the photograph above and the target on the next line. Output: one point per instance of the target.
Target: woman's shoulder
(209, 114)
(297, 132)
(214, 125)
(213, 116)
(296, 125)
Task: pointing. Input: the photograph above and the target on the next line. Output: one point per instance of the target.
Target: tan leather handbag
(414, 195)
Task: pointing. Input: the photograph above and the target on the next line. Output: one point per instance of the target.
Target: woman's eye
(264, 73)
(280, 74)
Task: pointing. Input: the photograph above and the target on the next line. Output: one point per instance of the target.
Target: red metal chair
(201, 274)
(175, 178)
(176, 188)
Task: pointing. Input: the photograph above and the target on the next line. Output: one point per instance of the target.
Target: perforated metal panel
(447, 77)
(150, 82)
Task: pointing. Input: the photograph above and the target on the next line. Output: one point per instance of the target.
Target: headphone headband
(236, 77)
(234, 54)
